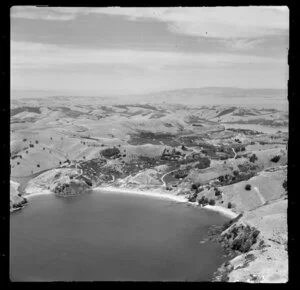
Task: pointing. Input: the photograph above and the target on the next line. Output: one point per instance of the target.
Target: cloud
(38, 55)
(217, 22)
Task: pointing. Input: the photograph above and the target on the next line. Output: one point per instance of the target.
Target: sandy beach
(158, 194)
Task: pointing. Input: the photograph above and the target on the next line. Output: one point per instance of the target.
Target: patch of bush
(284, 185)
(110, 152)
(195, 185)
(229, 205)
(204, 162)
(36, 142)
(236, 172)
(217, 192)
(275, 158)
(253, 158)
(31, 145)
(38, 165)
(24, 140)
(248, 186)
(212, 202)
(203, 201)
(192, 197)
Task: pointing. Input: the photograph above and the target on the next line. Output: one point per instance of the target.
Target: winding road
(162, 178)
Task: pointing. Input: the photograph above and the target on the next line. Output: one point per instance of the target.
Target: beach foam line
(140, 192)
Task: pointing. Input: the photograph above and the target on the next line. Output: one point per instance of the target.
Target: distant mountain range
(266, 98)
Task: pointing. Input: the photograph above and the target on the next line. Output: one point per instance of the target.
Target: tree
(236, 173)
(275, 159)
(38, 165)
(229, 205)
(253, 158)
(248, 186)
(284, 185)
(212, 202)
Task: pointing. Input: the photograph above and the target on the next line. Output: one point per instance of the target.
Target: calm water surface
(111, 236)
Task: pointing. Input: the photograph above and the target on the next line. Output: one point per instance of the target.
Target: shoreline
(224, 211)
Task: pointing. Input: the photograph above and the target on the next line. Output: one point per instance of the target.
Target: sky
(119, 51)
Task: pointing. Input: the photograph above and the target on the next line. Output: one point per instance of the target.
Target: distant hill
(268, 98)
(259, 98)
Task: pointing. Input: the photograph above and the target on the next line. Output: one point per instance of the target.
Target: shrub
(248, 186)
(253, 158)
(212, 202)
(36, 142)
(284, 185)
(18, 163)
(236, 172)
(275, 158)
(183, 148)
(26, 151)
(192, 197)
(217, 192)
(31, 145)
(59, 162)
(195, 186)
(246, 246)
(229, 205)
(38, 165)
(204, 162)
(110, 152)
(24, 140)
(203, 200)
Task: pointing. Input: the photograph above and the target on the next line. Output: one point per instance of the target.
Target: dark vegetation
(248, 186)
(245, 131)
(285, 185)
(253, 158)
(146, 137)
(241, 238)
(212, 202)
(229, 179)
(181, 174)
(203, 162)
(110, 152)
(69, 112)
(275, 159)
(25, 109)
(227, 111)
(203, 201)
